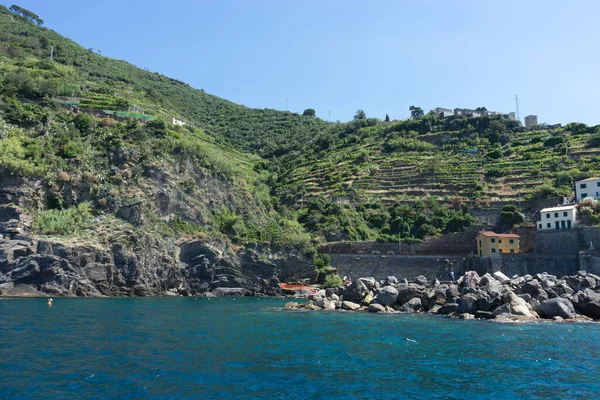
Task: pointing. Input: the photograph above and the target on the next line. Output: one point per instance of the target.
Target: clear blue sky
(342, 55)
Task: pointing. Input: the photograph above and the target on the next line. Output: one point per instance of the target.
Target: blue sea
(250, 348)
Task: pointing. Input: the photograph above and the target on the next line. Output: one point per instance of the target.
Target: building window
(568, 223)
(583, 195)
(511, 241)
(563, 224)
(480, 243)
(493, 250)
(555, 215)
(548, 225)
(480, 253)
(493, 240)
(499, 240)
(583, 186)
(564, 214)
(597, 183)
(540, 226)
(548, 215)
(512, 250)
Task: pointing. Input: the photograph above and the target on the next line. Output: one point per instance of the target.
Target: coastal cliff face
(36, 267)
(125, 253)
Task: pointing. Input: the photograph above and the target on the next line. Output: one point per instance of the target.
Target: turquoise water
(251, 348)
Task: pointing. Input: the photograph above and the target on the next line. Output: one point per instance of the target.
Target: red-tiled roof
(494, 234)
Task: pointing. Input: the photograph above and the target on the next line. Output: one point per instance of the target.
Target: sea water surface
(244, 348)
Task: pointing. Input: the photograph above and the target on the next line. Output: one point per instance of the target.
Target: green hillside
(195, 180)
(248, 175)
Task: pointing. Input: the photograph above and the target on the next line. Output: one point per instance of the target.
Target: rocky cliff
(122, 257)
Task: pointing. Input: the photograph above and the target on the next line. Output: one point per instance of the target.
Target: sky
(338, 56)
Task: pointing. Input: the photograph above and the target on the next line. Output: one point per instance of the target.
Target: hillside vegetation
(248, 175)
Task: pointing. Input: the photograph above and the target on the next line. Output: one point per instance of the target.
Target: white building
(589, 187)
(563, 217)
(443, 112)
(176, 121)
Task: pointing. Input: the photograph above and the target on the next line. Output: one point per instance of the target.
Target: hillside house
(176, 121)
(589, 187)
(563, 217)
(443, 112)
(491, 244)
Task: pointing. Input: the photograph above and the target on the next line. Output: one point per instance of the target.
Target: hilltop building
(491, 244)
(563, 217)
(530, 121)
(443, 112)
(446, 112)
(176, 121)
(589, 187)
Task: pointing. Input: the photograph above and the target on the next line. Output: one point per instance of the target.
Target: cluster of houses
(446, 112)
(566, 216)
(530, 120)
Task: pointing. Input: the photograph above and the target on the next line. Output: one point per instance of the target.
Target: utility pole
(517, 102)
(51, 53)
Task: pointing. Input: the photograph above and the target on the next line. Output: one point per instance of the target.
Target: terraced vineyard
(508, 173)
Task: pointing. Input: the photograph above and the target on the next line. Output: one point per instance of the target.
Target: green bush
(333, 280)
(63, 222)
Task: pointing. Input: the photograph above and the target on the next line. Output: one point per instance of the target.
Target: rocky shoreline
(492, 297)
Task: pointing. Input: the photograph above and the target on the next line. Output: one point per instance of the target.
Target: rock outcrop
(59, 268)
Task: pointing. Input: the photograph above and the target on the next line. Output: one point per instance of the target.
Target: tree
(309, 112)
(360, 114)
(481, 109)
(29, 15)
(387, 118)
(416, 112)
(121, 104)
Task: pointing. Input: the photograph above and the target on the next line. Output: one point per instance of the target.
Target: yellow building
(490, 244)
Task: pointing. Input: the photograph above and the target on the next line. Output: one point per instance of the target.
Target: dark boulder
(387, 296)
(503, 309)
(467, 304)
(587, 302)
(557, 307)
(407, 292)
(356, 292)
(448, 308)
(376, 307)
(391, 280)
(421, 280)
(532, 287)
(412, 305)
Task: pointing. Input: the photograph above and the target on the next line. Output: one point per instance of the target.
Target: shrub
(63, 176)
(333, 280)
(553, 141)
(544, 191)
(63, 222)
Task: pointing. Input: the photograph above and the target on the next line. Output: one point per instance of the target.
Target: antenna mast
(517, 102)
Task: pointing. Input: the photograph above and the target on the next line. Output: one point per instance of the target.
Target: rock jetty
(491, 296)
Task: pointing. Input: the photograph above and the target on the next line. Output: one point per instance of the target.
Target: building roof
(588, 179)
(494, 234)
(560, 208)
